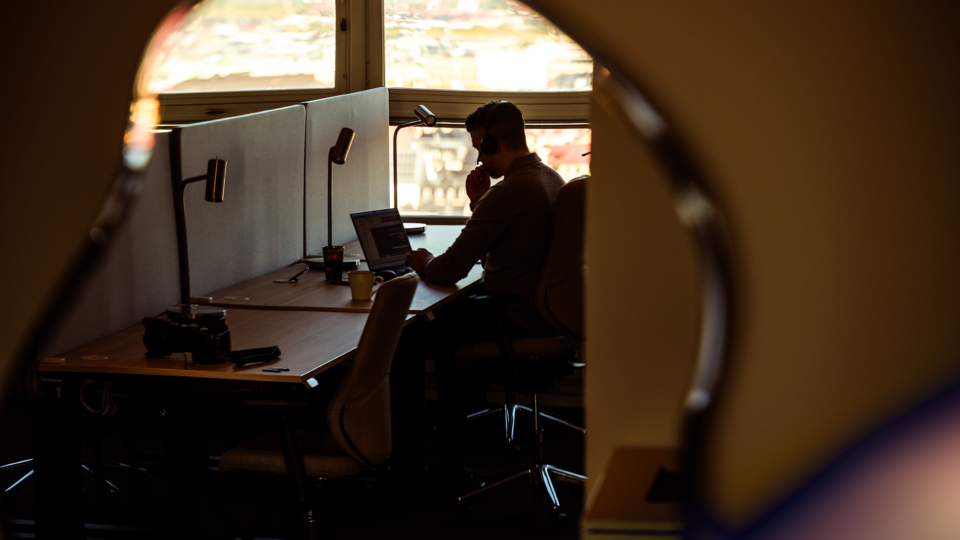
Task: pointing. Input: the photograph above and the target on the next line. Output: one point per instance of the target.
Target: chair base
(538, 473)
(86, 469)
(539, 477)
(509, 410)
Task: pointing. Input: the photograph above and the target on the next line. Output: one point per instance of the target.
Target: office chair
(530, 365)
(358, 415)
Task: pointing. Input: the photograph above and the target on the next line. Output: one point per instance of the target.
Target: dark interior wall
(829, 131)
(69, 71)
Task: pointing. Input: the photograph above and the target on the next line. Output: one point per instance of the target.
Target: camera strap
(252, 356)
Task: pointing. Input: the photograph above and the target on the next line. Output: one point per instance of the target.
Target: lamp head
(216, 176)
(338, 153)
(425, 116)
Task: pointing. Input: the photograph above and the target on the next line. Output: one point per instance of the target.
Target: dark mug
(333, 262)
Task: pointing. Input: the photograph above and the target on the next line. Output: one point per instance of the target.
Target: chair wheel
(558, 522)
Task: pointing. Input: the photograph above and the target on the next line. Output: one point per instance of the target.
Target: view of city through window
(441, 44)
(486, 45)
(250, 45)
(434, 163)
(479, 45)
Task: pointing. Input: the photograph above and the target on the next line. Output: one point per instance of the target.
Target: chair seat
(473, 354)
(540, 361)
(322, 456)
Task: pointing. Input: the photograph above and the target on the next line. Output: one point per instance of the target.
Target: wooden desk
(310, 342)
(313, 293)
(315, 325)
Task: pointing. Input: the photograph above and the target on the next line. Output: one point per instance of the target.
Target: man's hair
(506, 123)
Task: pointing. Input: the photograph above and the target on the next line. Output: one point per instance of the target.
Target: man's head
(497, 132)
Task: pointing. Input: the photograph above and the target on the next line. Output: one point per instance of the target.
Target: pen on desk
(294, 278)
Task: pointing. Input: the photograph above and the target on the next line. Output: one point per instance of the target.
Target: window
(488, 45)
(239, 56)
(433, 164)
(228, 45)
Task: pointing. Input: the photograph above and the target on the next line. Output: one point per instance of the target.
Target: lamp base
(189, 312)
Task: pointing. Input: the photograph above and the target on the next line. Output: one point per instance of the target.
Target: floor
(247, 506)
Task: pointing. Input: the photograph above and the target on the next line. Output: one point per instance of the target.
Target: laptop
(384, 241)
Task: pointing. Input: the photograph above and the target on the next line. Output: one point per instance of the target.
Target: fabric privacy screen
(258, 227)
(271, 158)
(360, 184)
(137, 277)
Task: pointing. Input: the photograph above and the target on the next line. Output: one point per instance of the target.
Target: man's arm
(492, 216)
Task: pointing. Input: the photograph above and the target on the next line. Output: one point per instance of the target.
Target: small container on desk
(333, 262)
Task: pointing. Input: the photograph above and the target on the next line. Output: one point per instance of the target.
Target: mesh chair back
(359, 414)
(559, 294)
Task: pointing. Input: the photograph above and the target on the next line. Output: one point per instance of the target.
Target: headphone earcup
(489, 145)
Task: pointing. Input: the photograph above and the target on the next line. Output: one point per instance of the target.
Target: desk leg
(187, 458)
(58, 483)
(407, 389)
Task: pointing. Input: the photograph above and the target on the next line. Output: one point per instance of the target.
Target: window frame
(361, 65)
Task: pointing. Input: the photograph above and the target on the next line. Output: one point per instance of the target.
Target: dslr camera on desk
(205, 336)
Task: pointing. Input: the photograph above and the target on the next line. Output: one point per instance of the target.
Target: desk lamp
(215, 177)
(425, 117)
(338, 155)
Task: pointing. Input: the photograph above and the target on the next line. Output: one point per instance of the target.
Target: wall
(829, 130)
(66, 99)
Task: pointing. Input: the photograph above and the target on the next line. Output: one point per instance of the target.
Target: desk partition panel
(360, 184)
(272, 157)
(137, 277)
(258, 228)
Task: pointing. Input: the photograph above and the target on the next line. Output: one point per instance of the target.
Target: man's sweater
(510, 229)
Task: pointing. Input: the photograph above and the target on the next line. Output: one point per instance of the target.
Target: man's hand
(418, 259)
(478, 182)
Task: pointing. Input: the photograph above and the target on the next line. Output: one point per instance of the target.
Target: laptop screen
(382, 237)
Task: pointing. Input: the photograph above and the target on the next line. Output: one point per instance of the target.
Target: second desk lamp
(425, 118)
(333, 255)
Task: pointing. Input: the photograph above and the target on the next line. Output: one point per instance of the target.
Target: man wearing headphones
(510, 228)
(508, 233)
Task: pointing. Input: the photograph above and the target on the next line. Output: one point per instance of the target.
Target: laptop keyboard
(394, 271)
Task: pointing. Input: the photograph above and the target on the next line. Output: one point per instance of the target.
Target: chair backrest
(359, 414)
(559, 294)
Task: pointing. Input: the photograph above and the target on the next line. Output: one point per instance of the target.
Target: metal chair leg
(92, 475)
(16, 486)
(481, 414)
(554, 419)
(16, 464)
(509, 410)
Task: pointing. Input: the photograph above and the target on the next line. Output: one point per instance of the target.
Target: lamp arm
(330, 199)
(182, 241)
(401, 126)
